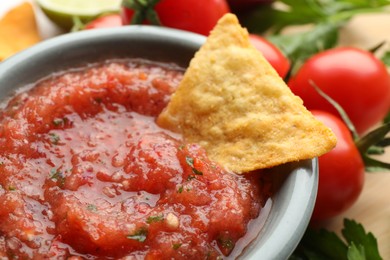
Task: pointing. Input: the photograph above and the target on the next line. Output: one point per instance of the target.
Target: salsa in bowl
(86, 172)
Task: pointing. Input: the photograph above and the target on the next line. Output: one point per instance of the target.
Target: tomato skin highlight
(354, 78)
(341, 172)
(199, 16)
(272, 54)
(106, 21)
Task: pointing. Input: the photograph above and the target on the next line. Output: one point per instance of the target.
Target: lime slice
(62, 12)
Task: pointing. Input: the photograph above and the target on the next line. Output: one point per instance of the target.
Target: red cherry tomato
(197, 16)
(274, 56)
(341, 172)
(106, 21)
(355, 78)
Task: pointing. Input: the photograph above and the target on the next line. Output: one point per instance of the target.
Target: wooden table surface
(373, 207)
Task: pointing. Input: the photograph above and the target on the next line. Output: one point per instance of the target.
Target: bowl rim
(300, 187)
(101, 33)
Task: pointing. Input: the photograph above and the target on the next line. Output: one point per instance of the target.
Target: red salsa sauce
(85, 173)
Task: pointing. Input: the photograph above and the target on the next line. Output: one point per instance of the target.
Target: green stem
(375, 138)
(385, 142)
(138, 17)
(374, 49)
(339, 109)
(371, 143)
(372, 138)
(152, 17)
(78, 25)
(373, 165)
(143, 10)
(375, 149)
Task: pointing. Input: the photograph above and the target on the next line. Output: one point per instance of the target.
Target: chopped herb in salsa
(176, 246)
(153, 219)
(226, 244)
(54, 138)
(190, 162)
(58, 176)
(140, 235)
(191, 177)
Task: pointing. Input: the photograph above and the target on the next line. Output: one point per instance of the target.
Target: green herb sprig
(140, 235)
(324, 18)
(355, 244)
(153, 219)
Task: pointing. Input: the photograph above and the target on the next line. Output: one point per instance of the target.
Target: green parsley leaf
(324, 17)
(386, 58)
(300, 46)
(354, 233)
(356, 253)
(285, 13)
(321, 244)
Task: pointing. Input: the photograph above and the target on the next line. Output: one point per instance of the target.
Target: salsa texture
(86, 173)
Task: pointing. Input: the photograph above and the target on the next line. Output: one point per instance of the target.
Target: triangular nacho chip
(234, 104)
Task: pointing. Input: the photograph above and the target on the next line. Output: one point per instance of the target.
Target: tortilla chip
(233, 103)
(18, 30)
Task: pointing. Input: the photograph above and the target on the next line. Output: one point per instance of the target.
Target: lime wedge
(62, 12)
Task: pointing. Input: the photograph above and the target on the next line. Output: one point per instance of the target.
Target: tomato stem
(385, 142)
(143, 10)
(339, 109)
(373, 138)
(373, 165)
(371, 143)
(152, 17)
(375, 49)
(375, 149)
